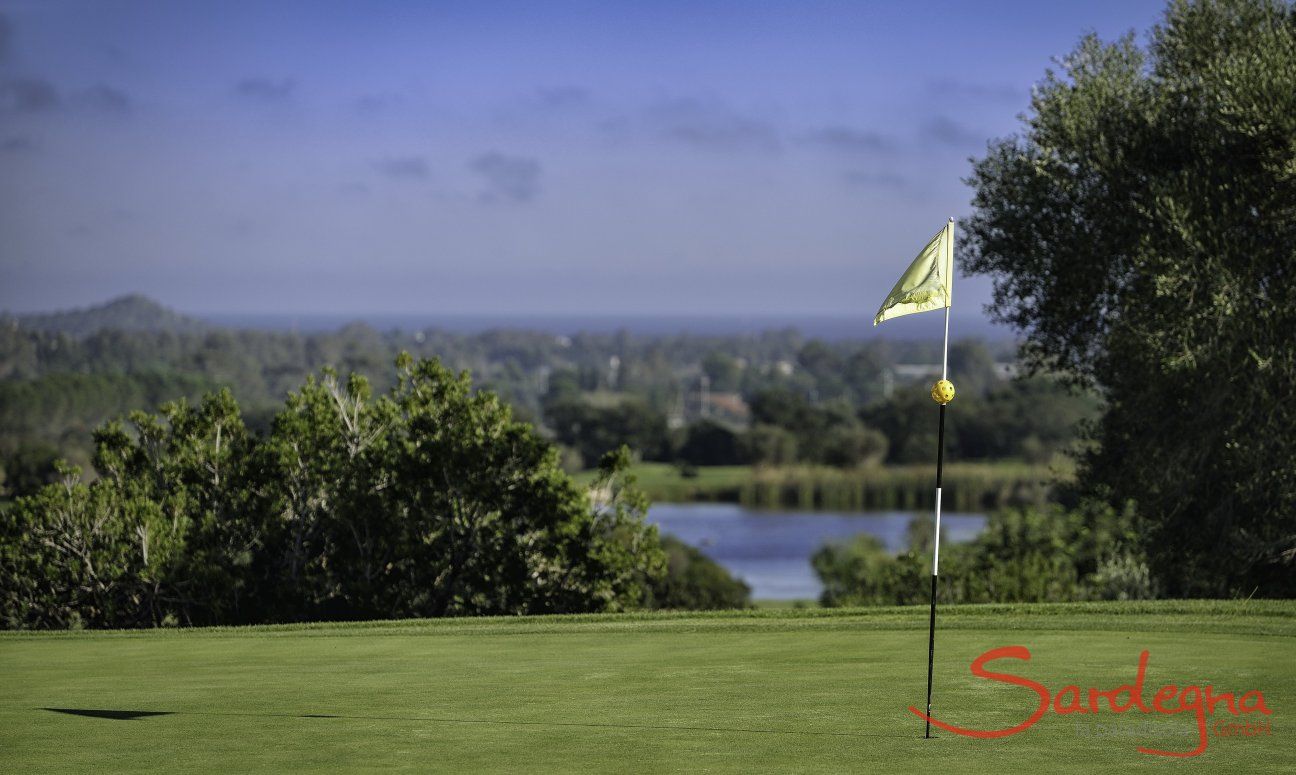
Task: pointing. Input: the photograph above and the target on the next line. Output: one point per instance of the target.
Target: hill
(127, 313)
(809, 691)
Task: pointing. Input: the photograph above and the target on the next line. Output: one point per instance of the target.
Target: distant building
(724, 407)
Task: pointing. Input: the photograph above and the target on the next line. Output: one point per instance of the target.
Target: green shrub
(427, 501)
(1024, 555)
(695, 582)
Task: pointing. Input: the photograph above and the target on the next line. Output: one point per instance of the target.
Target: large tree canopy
(1141, 234)
(430, 500)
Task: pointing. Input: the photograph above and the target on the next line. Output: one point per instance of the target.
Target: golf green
(778, 691)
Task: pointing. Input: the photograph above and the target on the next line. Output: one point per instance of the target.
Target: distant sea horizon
(815, 326)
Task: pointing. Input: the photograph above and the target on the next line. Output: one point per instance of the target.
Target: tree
(709, 443)
(861, 572)
(594, 430)
(1024, 555)
(1028, 418)
(29, 468)
(73, 556)
(194, 465)
(907, 422)
(430, 500)
(723, 370)
(864, 370)
(433, 501)
(695, 582)
(828, 433)
(769, 445)
(1141, 234)
(972, 362)
(825, 366)
(162, 536)
(847, 446)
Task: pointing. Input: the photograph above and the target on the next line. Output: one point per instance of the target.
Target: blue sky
(321, 157)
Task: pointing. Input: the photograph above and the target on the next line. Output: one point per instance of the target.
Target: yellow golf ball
(943, 392)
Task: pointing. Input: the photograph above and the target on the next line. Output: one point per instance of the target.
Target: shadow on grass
(116, 715)
(132, 715)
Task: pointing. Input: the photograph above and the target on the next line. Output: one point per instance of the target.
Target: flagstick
(905, 299)
(940, 466)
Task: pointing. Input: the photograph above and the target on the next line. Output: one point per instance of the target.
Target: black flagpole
(942, 393)
(931, 627)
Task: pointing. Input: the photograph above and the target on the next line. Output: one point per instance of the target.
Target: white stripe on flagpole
(945, 355)
(936, 558)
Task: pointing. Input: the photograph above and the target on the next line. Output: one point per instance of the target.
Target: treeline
(977, 486)
(261, 366)
(430, 500)
(967, 487)
(63, 405)
(1030, 419)
(1044, 554)
(841, 404)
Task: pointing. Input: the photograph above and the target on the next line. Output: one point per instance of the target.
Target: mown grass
(664, 482)
(967, 486)
(751, 691)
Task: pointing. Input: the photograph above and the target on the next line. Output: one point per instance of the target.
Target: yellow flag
(928, 282)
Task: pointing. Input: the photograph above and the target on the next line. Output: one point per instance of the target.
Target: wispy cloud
(522, 112)
(17, 144)
(561, 97)
(404, 167)
(24, 94)
(370, 103)
(267, 90)
(847, 139)
(946, 130)
(108, 99)
(6, 36)
(508, 178)
(711, 125)
(28, 95)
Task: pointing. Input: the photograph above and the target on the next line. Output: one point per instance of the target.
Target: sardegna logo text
(1170, 700)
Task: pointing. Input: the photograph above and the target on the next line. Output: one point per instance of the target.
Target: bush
(27, 469)
(1123, 577)
(861, 572)
(769, 445)
(695, 582)
(851, 446)
(428, 501)
(708, 443)
(1024, 555)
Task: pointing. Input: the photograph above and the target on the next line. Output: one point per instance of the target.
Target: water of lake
(770, 550)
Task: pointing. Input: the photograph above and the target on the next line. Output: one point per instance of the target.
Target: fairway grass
(757, 691)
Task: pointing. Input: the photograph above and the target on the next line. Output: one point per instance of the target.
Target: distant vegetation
(127, 313)
(773, 400)
(428, 501)
(982, 486)
(271, 494)
(1041, 554)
